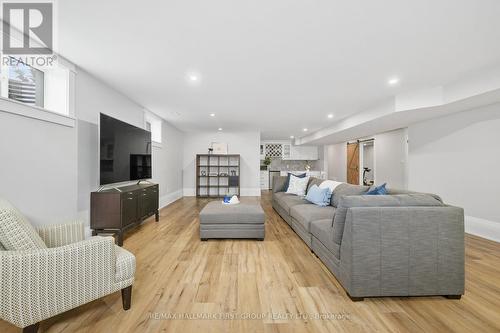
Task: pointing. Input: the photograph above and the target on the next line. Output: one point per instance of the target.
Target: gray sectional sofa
(400, 244)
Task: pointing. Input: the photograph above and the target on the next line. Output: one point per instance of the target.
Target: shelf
(217, 185)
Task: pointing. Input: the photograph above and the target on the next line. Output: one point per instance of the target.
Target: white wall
(244, 143)
(38, 168)
(48, 170)
(457, 157)
(91, 98)
(336, 158)
(390, 157)
(167, 168)
(94, 97)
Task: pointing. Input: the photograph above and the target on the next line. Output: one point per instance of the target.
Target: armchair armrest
(403, 251)
(38, 284)
(62, 234)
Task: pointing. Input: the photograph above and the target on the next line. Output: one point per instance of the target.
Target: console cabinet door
(143, 204)
(129, 209)
(153, 199)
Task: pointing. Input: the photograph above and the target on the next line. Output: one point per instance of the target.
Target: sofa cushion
(305, 214)
(393, 191)
(16, 233)
(347, 189)
(1, 247)
(323, 231)
(314, 181)
(287, 201)
(400, 200)
(125, 264)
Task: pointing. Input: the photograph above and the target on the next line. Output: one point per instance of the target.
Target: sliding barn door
(353, 163)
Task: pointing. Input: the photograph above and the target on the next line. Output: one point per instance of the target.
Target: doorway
(367, 157)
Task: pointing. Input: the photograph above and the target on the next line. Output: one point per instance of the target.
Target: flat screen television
(125, 151)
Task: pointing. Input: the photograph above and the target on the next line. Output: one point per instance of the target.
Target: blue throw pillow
(319, 196)
(287, 183)
(378, 190)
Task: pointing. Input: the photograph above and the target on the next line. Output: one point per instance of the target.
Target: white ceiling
(275, 66)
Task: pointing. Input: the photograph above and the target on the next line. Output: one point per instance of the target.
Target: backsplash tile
(292, 165)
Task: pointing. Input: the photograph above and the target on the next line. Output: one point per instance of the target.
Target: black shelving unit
(217, 175)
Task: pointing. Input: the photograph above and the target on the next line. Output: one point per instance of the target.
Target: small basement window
(46, 88)
(153, 123)
(26, 85)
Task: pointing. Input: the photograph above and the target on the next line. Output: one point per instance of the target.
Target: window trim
(148, 115)
(11, 106)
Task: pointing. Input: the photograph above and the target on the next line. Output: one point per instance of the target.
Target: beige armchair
(52, 269)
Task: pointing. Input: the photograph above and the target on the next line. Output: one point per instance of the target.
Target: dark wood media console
(119, 209)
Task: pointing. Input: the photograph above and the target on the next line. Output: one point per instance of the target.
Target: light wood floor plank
(177, 274)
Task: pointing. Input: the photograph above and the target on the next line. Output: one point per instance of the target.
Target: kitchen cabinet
(304, 153)
(287, 151)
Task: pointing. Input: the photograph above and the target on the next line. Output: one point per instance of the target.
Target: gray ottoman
(244, 220)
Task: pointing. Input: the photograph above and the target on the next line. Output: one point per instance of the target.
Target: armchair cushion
(16, 233)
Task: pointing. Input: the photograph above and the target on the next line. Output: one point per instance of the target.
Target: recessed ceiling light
(220, 128)
(193, 78)
(212, 115)
(393, 81)
(305, 129)
(291, 137)
(330, 116)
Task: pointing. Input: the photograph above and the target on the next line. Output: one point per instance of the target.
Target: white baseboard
(189, 192)
(167, 199)
(482, 228)
(245, 192)
(250, 191)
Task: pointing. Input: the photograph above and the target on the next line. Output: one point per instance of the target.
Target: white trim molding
(482, 228)
(169, 198)
(34, 112)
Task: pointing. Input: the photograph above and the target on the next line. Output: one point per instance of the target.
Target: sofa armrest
(43, 283)
(279, 183)
(402, 251)
(62, 234)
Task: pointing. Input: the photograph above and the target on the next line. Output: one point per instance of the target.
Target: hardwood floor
(178, 275)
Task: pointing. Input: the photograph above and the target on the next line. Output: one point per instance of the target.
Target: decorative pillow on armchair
(298, 185)
(16, 233)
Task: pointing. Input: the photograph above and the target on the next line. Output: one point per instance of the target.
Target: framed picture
(219, 148)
